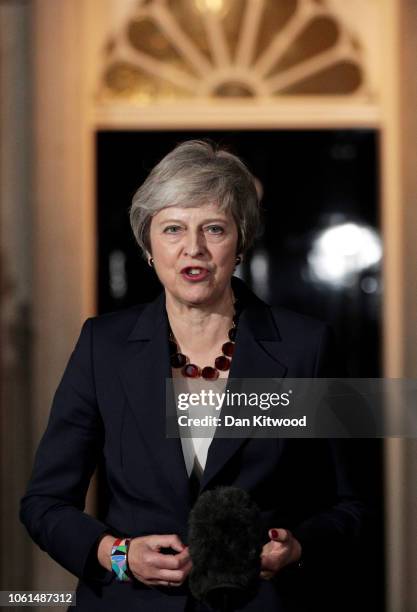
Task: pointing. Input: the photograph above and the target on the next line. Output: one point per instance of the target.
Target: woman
(194, 217)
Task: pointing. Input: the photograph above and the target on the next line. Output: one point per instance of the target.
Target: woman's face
(194, 252)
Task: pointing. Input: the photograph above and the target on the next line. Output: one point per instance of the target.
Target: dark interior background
(311, 181)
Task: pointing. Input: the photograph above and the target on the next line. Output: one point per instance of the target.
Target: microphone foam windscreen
(224, 541)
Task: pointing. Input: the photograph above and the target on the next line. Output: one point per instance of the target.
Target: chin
(198, 295)
(197, 298)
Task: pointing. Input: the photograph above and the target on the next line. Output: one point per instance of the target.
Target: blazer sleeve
(53, 507)
(333, 534)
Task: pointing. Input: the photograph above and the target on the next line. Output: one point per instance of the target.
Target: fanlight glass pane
(188, 17)
(319, 35)
(128, 83)
(145, 36)
(275, 16)
(341, 79)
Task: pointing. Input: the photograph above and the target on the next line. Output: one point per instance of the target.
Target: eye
(215, 229)
(172, 229)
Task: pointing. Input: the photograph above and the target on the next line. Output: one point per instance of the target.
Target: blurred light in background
(117, 274)
(211, 6)
(340, 253)
(370, 284)
(259, 270)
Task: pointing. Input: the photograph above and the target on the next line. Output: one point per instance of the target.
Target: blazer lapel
(144, 371)
(258, 354)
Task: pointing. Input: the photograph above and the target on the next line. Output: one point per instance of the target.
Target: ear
(239, 253)
(149, 259)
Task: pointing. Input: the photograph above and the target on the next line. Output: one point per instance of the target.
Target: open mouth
(194, 273)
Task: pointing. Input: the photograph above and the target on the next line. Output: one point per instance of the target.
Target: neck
(198, 328)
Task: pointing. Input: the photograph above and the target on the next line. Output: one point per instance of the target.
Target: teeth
(194, 271)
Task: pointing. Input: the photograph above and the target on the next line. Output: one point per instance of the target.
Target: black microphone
(224, 539)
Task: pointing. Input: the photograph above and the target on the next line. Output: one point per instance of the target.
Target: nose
(194, 243)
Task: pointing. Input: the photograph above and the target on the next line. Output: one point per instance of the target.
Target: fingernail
(274, 533)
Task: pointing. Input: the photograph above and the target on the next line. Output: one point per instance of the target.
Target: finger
(156, 583)
(172, 562)
(154, 576)
(157, 542)
(174, 577)
(273, 547)
(279, 535)
(271, 562)
(183, 557)
(164, 583)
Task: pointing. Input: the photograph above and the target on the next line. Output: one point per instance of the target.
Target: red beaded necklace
(190, 370)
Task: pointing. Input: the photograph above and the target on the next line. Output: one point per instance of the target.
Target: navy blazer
(110, 407)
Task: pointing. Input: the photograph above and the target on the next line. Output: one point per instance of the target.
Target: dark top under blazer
(110, 407)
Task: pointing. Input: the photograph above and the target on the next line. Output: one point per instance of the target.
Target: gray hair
(198, 172)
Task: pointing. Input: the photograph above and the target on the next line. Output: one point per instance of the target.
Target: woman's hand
(154, 568)
(283, 549)
(149, 565)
